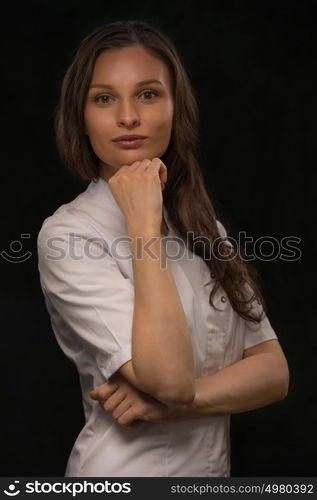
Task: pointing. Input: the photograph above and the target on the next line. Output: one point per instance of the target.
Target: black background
(251, 65)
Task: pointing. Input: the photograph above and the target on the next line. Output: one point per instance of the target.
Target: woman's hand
(137, 190)
(127, 404)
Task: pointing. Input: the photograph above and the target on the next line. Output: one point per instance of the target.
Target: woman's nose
(128, 114)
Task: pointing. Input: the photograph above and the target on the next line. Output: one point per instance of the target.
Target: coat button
(213, 276)
(223, 299)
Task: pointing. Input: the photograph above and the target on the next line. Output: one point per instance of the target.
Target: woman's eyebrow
(110, 87)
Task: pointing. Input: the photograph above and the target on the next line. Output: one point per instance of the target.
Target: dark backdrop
(251, 65)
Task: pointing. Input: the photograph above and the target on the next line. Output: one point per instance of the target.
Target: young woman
(168, 341)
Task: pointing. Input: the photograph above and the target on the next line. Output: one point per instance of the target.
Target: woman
(168, 342)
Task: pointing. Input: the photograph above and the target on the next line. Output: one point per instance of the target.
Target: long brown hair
(185, 197)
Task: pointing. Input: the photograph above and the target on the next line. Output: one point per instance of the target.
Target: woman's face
(118, 103)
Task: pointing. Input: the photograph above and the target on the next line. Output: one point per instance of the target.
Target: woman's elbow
(178, 396)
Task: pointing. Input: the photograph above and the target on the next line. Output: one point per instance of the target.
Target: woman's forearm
(161, 346)
(251, 383)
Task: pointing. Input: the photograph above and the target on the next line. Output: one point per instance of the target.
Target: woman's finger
(156, 164)
(160, 168)
(139, 165)
(128, 417)
(124, 405)
(110, 404)
(104, 391)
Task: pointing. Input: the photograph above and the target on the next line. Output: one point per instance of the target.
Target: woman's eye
(149, 92)
(103, 97)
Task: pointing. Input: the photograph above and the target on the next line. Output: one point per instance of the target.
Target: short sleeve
(254, 333)
(87, 291)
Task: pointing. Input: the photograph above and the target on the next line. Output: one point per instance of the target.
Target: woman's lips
(135, 143)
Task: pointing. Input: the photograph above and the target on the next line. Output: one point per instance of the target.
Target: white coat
(86, 277)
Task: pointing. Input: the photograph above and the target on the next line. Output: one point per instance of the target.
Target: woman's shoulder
(64, 219)
(92, 213)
